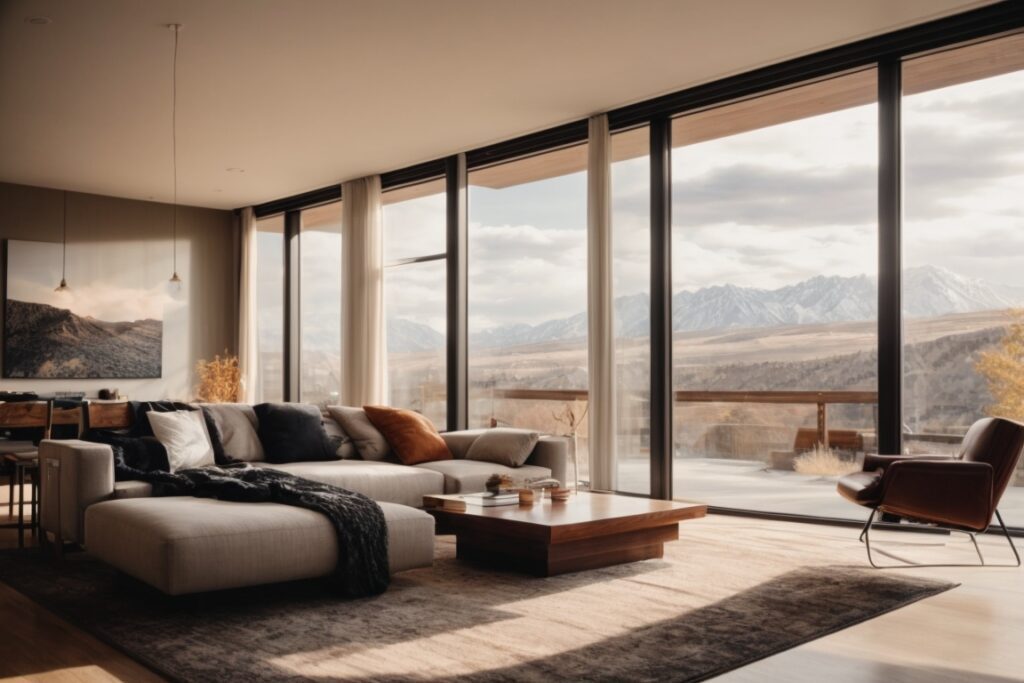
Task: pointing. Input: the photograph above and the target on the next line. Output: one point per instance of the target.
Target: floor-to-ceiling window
(774, 315)
(270, 306)
(963, 246)
(631, 284)
(774, 301)
(415, 298)
(320, 304)
(528, 295)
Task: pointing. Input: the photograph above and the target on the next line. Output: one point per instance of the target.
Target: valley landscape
(818, 335)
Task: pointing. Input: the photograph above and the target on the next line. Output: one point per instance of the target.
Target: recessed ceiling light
(38, 21)
(233, 169)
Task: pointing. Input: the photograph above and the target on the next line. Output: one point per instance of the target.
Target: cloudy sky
(765, 208)
(773, 207)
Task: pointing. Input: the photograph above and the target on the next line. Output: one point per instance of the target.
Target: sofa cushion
(504, 446)
(187, 545)
(369, 442)
(470, 476)
(411, 435)
(460, 441)
(382, 481)
(341, 442)
(132, 489)
(236, 426)
(184, 436)
(292, 432)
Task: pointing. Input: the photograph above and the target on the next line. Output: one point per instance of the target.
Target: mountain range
(927, 291)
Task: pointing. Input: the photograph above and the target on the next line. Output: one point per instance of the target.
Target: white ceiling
(304, 93)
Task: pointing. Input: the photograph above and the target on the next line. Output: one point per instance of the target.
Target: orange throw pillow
(411, 435)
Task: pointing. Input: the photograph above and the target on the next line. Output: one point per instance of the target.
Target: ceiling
(277, 97)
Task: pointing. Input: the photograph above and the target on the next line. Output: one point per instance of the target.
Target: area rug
(688, 617)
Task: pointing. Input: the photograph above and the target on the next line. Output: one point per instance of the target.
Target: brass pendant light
(63, 286)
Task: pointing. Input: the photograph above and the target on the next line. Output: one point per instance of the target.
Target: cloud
(417, 292)
(765, 208)
(416, 227)
(777, 199)
(525, 274)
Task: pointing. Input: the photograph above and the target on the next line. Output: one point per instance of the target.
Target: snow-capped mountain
(927, 290)
(406, 335)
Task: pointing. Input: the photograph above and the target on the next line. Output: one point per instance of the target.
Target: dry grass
(824, 462)
(220, 380)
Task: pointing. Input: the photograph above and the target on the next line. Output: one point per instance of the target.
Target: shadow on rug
(648, 621)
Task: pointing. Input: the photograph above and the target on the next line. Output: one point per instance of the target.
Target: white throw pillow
(184, 437)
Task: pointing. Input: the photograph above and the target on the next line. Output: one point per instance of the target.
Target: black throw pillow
(292, 432)
(133, 456)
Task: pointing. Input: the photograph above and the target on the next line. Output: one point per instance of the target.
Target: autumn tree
(1003, 369)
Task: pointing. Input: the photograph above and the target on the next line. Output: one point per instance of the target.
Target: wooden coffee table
(589, 530)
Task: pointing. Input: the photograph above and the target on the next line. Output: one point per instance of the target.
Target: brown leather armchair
(959, 493)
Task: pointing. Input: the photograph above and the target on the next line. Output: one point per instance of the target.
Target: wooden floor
(972, 633)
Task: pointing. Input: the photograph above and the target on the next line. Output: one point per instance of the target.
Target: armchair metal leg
(865, 537)
(1009, 539)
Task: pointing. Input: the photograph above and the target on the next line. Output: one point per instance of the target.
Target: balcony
(781, 453)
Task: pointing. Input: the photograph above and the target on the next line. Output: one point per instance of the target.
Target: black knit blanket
(362, 567)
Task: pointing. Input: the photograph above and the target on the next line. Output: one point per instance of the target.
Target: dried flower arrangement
(220, 380)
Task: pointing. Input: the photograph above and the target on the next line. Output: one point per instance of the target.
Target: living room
(449, 340)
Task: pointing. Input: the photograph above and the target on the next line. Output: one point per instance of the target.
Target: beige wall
(106, 232)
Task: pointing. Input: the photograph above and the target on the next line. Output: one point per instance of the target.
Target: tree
(1003, 369)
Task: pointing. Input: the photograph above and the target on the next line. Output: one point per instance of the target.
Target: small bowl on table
(560, 495)
(529, 496)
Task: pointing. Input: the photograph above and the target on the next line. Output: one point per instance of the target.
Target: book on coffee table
(488, 499)
(458, 502)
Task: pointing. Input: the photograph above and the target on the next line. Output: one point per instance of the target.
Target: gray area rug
(678, 619)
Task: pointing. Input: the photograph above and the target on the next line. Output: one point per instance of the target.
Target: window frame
(886, 53)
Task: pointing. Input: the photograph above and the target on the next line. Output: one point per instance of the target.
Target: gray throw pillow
(503, 446)
(345, 448)
(368, 440)
(237, 425)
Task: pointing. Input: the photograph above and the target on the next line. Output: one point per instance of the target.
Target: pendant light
(175, 279)
(63, 286)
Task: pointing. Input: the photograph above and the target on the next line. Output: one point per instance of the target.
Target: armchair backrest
(999, 442)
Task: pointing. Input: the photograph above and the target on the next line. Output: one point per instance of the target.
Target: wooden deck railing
(821, 399)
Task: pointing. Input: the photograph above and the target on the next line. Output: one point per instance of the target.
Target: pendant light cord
(64, 250)
(174, 146)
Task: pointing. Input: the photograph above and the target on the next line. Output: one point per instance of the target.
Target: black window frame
(886, 53)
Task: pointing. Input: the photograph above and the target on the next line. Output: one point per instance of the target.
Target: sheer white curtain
(248, 341)
(600, 308)
(363, 353)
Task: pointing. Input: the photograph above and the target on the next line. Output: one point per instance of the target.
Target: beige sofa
(185, 545)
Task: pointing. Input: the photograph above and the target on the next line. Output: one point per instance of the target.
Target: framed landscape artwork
(104, 327)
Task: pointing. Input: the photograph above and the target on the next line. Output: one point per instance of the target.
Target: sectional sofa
(185, 545)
